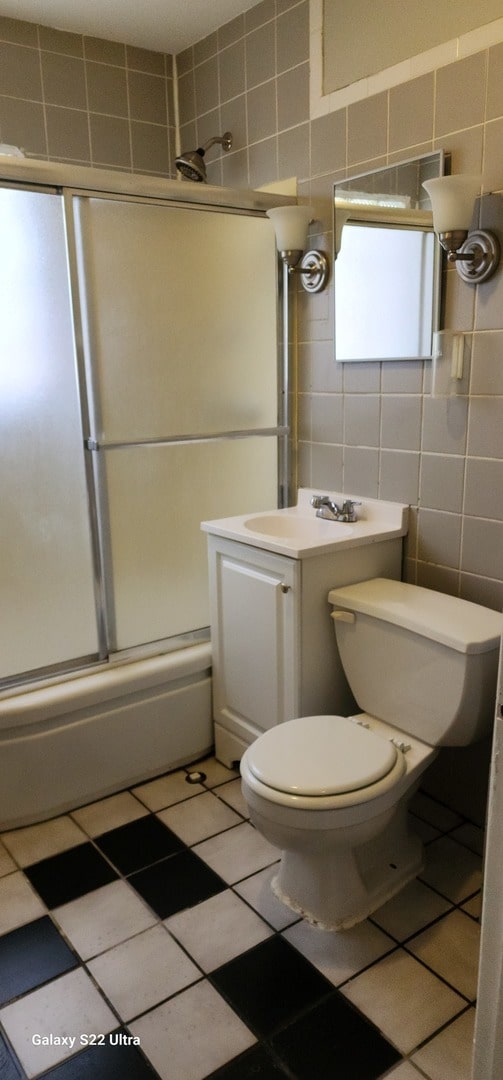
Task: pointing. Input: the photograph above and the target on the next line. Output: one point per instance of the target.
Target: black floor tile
(176, 883)
(255, 1064)
(139, 843)
(9, 1067)
(70, 874)
(108, 1062)
(332, 1039)
(31, 955)
(269, 985)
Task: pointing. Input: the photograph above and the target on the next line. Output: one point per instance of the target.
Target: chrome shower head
(191, 164)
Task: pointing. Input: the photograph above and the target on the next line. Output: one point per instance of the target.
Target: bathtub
(79, 740)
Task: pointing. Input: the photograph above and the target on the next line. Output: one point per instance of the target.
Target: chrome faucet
(327, 509)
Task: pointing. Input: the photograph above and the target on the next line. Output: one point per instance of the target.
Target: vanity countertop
(298, 533)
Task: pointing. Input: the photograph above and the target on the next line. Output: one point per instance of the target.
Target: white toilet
(332, 792)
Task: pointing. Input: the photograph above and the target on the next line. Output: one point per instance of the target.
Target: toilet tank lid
(457, 623)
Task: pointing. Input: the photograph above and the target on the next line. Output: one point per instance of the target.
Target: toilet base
(338, 889)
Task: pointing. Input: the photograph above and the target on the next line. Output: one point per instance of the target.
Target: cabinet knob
(284, 588)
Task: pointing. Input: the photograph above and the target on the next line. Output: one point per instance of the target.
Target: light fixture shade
(452, 199)
(291, 224)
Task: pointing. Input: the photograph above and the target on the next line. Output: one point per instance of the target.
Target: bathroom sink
(292, 526)
(297, 532)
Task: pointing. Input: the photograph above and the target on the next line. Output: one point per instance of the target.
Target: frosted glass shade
(290, 225)
(452, 199)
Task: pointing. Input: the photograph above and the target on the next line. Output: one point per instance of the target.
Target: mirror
(387, 264)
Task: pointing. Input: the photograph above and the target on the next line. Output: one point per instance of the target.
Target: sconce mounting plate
(314, 271)
(485, 249)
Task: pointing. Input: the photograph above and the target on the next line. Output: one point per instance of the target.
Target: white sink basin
(298, 533)
(295, 526)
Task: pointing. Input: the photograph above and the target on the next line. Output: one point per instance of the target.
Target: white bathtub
(77, 741)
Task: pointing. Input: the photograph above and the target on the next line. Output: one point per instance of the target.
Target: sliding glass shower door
(139, 390)
(46, 565)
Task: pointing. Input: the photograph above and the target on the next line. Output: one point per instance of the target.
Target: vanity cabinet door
(255, 635)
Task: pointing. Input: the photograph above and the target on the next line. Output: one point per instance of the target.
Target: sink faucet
(329, 510)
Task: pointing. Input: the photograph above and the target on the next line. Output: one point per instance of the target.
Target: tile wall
(86, 101)
(375, 429)
(372, 429)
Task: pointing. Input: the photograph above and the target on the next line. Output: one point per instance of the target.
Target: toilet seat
(322, 762)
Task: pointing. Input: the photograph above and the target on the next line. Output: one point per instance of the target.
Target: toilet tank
(420, 660)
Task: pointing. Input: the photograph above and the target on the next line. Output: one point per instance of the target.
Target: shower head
(191, 164)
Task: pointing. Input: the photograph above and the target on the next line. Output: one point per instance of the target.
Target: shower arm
(224, 140)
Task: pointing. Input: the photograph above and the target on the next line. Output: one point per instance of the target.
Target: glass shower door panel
(180, 318)
(46, 568)
(157, 498)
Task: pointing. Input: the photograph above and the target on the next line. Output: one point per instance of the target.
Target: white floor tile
(452, 869)
(449, 1055)
(111, 813)
(410, 910)
(257, 891)
(339, 955)
(19, 903)
(405, 1001)
(199, 818)
(103, 918)
(405, 1071)
(451, 948)
(38, 842)
(216, 773)
(218, 930)
(471, 836)
(192, 1034)
(232, 794)
(167, 790)
(422, 829)
(69, 1006)
(474, 906)
(429, 810)
(237, 853)
(7, 864)
(143, 971)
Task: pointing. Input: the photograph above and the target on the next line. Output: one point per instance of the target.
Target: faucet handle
(348, 508)
(318, 500)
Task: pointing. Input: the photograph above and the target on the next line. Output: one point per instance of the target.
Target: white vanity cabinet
(273, 643)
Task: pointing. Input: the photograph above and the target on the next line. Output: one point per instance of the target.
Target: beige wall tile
(147, 97)
(367, 129)
(260, 49)
(494, 106)
(293, 36)
(461, 89)
(67, 134)
(20, 72)
(63, 79)
(18, 31)
(107, 89)
(232, 70)
(105, 52)
(411, 112)
(293, 97)
(482, 551)
(110, 141)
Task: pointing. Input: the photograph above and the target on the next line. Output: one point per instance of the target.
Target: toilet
(332, 792)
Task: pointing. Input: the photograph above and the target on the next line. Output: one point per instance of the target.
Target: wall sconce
(290, 225)
(475, 254)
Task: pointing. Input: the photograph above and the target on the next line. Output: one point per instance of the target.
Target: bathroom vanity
(273, 644)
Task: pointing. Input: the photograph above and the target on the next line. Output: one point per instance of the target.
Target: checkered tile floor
(139, 939)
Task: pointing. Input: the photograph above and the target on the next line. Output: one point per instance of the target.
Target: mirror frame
(363, 213)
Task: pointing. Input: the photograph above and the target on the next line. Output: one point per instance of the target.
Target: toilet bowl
(332, 792)
(336, 807)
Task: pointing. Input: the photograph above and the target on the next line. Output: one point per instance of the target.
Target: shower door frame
(73, 182)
